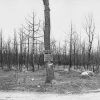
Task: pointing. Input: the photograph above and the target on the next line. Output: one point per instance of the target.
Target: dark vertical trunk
(17, 55)
(9, 57)
(28, 54)
(47, 55)
(33, 69)
(89, 54)
(1, 50)
(25, 57)
(21, 50)
(74, 55)
(70, 53)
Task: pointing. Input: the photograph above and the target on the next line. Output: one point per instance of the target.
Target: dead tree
(75, 48)
(21, 49)
(28, 48)
(97, 58)
(33, 31)
(90, 31)
(65, 53)
(47, 55)
(59, 54)
(84, 55)
(9, 54)
(70, 51)
(16, 56)
(1, 48)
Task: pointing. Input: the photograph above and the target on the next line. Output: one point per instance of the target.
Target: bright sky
(13, 13)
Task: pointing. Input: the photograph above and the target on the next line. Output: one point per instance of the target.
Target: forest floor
(65, 83)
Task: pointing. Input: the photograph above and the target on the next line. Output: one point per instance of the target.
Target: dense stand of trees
(27, 48)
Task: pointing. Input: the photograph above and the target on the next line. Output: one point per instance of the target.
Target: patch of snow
(38, 85)
(32, 79)
(84, 73)
(87, 73)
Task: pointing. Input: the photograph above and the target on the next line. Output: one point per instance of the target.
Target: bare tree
(75, 47)
(89, 28)
(28, 47)
(21, 48)
(83, 55)
(65, 53)
(70, 51)
(9, 54)
(1, 48)
(15, 58)
(33, 30)
(49, 69)
(97, 58)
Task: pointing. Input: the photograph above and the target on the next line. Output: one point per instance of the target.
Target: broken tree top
(46, 2)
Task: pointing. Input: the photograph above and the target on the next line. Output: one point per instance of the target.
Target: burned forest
(31, 59)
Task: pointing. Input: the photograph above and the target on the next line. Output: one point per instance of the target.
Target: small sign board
(48, 57)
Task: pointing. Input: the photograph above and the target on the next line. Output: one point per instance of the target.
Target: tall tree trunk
(47, 56)
(33, 46)
(28, 54)
(70, 52)
(21, 50)
(9, 56)
(74, 55)
(1, 49)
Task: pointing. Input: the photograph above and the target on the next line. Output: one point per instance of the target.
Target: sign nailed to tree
(48, 56)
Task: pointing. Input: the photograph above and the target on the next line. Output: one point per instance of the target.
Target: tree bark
(49, 69)
(70, 52)
(1, 49)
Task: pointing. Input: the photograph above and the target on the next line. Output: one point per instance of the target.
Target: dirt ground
(64, 82)
(45, 96)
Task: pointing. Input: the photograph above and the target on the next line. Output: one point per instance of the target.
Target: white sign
(48, 57)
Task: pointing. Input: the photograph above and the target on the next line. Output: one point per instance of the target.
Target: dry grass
(65, 82)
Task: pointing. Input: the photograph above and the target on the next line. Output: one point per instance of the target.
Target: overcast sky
(13, 13)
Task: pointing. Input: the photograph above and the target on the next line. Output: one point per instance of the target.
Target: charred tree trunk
(70, 52)
(21, 50)
(47, 55)
(90, 31)
(1, 50)
(28, 53)
(9, 56)
(33, 46)
(74, 56)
